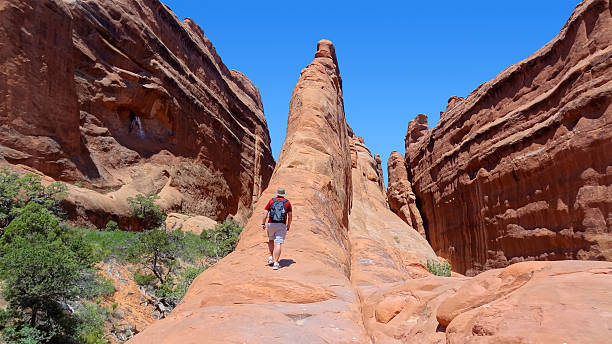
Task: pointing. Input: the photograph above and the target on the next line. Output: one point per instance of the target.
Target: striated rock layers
(522, 168)
(120, 97)
(400, 196)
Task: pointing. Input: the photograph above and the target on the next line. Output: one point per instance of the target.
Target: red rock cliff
(123, 98)
(522, 168)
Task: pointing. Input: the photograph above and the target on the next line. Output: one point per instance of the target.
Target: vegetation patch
(439, 268)
(48, 274)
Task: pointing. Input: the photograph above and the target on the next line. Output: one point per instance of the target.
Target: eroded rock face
(521, 169)
(241, 299)
(384, 249)
(400, 196)
(96, 92)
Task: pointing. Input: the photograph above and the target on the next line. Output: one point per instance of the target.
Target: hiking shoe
(270, 260)
(275, 266)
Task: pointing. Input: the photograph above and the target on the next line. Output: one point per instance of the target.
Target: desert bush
(144, 279)
(111, 226)
(157, 250)
(16, 192)
(41, 268)
(173, 290)
(105, 245)
(222, 239)
(90, 328)
(439, 269)
(24, 334)
(148, 213)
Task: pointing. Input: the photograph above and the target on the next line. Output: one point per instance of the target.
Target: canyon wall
(521, 169)
(118, 98)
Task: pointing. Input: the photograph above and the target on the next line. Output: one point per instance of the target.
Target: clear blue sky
(397, 58)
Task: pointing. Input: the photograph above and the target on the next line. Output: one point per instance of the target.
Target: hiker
(278, 215)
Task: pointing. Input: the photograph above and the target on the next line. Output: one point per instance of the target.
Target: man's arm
(265, 217)
(289, 216)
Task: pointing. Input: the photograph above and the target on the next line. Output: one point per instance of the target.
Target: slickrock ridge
(521, 169)
(121, 96)
(400, 196)
(384, 249)
(310, 299)
(526, 303)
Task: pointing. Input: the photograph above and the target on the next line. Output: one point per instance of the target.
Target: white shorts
(277, 232)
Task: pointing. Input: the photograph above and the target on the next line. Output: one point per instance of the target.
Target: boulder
(193, 224)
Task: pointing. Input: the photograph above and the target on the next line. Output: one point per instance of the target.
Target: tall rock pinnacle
(240, 299)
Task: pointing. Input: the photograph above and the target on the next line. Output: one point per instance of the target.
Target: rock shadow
(284, 263)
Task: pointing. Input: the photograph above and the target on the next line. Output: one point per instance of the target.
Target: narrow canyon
(513, 186)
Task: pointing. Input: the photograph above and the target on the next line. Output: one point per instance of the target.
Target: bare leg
(277, 251)
(271, 247)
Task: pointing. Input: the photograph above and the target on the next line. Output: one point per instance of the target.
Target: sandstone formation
(384, 249)
(521, 169)
(400, 196)
(193, 224)
(352, 271)
(528, 302)
(310, 299)
(100, 93)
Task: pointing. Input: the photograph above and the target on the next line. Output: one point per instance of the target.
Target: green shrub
(144, 279)
(90, 329)
(105, 245)
(194, 248)
(16, 192)
(439, 269)
(222, 239)
(148, 213)
(95, 285)
(157, 250)
(23, 334)
(174, 291)
(40, 268)
(111, 226)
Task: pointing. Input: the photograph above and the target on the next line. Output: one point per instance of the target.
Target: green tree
(40, 270)
(158, 250)
(112, 226)
(148, 213)
(16, 192)
(221, 240)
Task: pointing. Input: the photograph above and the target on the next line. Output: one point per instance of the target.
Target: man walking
(278, 214)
